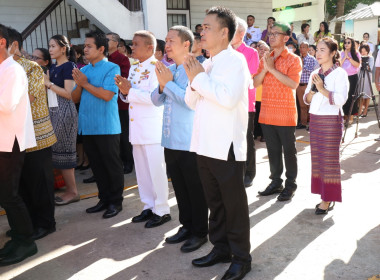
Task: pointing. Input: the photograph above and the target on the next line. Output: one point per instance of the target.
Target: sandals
(59, 201)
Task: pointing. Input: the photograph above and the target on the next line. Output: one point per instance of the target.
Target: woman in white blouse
(326, 93)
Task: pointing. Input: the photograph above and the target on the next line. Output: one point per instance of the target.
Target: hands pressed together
(123, 84)
(192, 67)
(164, 75)
(79, 78)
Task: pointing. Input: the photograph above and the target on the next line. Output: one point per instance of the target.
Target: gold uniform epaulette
(153, 62)
(134, 63)
(256, 27)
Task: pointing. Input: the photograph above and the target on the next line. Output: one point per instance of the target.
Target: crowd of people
(189, 107)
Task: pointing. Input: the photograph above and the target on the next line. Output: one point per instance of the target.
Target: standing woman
(42, 57)
(350, 61)
(326, 124)
(64, 116)
(365, 100)
(322, 32)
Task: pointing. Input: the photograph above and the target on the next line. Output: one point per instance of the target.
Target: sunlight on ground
(41, 259)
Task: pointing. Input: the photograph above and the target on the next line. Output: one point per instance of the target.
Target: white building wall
(155, 18)
(315, 13)
(20, 13)
(261, 9)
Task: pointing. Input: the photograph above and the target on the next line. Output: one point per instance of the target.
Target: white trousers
(151, 177)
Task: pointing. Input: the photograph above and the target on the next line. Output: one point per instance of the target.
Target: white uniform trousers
(151, 177)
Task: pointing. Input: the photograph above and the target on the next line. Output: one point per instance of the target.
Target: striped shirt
(309, 65)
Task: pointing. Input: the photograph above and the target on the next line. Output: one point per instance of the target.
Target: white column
(155, 18)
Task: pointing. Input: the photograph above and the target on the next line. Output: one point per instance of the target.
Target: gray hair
(304, 43)
(185, 34)
(115, 36)
(241, 25)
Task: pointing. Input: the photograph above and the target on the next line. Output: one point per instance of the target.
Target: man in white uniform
(253, 34)
(145, 123)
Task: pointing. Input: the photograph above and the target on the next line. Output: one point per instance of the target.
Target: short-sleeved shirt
(347, 65)
(278, 103)
(58, 74)
(97, 116)
(43, 128)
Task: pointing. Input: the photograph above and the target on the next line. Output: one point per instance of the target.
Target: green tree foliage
(350, 4)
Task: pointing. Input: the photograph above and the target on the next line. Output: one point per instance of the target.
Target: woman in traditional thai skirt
(326, 93)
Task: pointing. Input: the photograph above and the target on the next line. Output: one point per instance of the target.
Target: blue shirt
(97, 116)
(177, 124)
(201, 59)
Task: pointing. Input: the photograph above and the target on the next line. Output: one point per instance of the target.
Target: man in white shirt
(17, 134)
(145, 123)
(366, 40)
(253, 34)
(219, 95)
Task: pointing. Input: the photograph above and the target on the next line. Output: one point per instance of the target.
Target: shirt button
(131, 120)
(131, 107)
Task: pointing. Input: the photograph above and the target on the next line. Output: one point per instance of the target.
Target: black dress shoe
(127, 169)
(248, 180)
(319, 211)
(89, 180)
(42, 232)
(211, 259)
(98, 207)
(300, 126)
(112, 211)
(144, 216)
(156, 220)
(237, 271)
(181, 235)
(272, 189)
(193, 243)
(286, 194)
(19, 253)
(8, 247)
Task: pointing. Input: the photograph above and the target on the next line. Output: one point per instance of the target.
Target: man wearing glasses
(279, 73)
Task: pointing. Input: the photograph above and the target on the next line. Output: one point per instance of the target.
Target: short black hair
(14, 35)
(160, 46)
(197, 36)
(128, 48)
(366, 33)
(100, 40)
(272, 18)
(227, 18)
(198, 25)
(250, 16)
(366, 47)
(303, 26)
(184, 33)
(4, 34)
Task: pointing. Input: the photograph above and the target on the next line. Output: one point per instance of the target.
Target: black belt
(303, 84)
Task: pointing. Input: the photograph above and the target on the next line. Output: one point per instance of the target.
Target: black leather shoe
(211, 259)
(272, 189)
(237, 271)
(286, 194)
(19, 253)
(156, 220)
(319, 211)
(144, 216)
(42, 232)
(8, 247)
(112, 211)
(97, 208)
(89, 180)
(248, 180)
(181, 235)
(193, 243)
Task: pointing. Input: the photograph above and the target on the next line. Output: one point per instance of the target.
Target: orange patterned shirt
(278, 103)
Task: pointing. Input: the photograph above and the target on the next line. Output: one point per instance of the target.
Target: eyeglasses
(33, 57)
(275, 34)
(347, 43)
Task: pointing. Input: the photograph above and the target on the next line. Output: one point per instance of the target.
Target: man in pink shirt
(252, 57)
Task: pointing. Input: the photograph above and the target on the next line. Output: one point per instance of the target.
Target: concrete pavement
(288, 241)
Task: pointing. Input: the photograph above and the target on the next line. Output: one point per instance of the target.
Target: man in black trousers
(99, 123)
(218, 92)
(17, 134)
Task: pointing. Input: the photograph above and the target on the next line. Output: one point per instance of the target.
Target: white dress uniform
(145, 129)
(255, 32)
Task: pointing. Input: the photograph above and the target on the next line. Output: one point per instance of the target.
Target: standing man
(292, 37)
(99, 123)
(279, 73)
(264, 35)
(17, 134)
(125, 146)
(197, 48)
(253, 34)
(198, 28)
(176, 137)
(309, 64)
(37, 179)
(252, 58)
(145, 131)
(219, 95)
